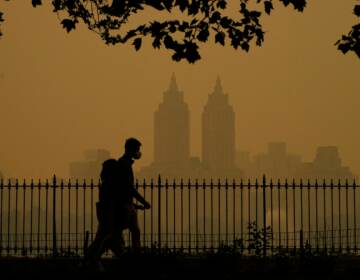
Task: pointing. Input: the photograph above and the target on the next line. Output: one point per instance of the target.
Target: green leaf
(203, 35)
(357, 10)
(183, 4)
(68, 24)
(137, 43)
(220, 38)
(36, 3)
(344, 48)
(169, 42)
(215, 17)
(245, 46)
(221, 4)
(268, 7)
(156, 43)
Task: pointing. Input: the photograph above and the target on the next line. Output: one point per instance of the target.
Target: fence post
(54, 248)
(159, 213)
(302, 251)
(264, 216)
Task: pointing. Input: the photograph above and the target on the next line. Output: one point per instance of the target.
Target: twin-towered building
(172, 157)
(172, 127)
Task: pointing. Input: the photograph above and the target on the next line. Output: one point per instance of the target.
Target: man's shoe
(94, 266)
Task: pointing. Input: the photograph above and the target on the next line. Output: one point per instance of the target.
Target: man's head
(132, 148)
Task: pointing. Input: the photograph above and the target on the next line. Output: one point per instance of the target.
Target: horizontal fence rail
(59, 218)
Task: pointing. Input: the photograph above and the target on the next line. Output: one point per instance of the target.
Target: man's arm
(140, 198)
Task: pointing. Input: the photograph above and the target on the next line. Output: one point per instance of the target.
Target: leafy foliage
(208, 19)
(1, 20)
(258, 238)
(351, 41)
(36, 3)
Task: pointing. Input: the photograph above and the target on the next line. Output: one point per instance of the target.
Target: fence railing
(52, 218)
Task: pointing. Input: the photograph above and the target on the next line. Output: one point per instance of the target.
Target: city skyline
(296, 88)
(220, 158)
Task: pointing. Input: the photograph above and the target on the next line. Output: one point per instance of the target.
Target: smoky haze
(61, 94)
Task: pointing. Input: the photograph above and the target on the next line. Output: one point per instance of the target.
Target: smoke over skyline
(61, 93)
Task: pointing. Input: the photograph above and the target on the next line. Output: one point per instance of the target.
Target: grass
(183, 266)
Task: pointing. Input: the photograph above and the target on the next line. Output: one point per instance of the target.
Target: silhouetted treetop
(205, 19)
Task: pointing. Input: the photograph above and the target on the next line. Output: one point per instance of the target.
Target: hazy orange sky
(63, 93)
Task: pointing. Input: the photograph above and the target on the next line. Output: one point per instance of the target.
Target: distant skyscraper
(89, 168)
(218, 131)
(172, 127)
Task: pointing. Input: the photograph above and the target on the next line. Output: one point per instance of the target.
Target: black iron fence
(52, 218)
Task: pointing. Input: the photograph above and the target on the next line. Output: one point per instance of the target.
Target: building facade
(172, 127)
(90, 167)
(218, 132)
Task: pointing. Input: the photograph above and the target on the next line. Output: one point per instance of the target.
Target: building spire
(173, 85)
(218, 87)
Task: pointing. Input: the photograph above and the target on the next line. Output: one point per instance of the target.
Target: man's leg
(116, 242)
(98, 246)
(135, 230)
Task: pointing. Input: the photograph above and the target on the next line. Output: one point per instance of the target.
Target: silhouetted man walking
(115, 209)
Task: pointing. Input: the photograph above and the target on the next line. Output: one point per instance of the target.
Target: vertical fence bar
(249, 213)
(234, 212)
(174, 209)
(332, 214)
(23, 220)
(301, 207)
(16, 216)
(84, 213)
(204, 213)
(264, 216)
(46, 214)
(196, 216)
(182, 213)
(242, 212)
(271, 216)
(166, 212)
(354, 206)
(294, 216)
(152, 213)
(76, 216)
(8, 248)
(69, 216)
(226, 213)
(309, 211)
(339, 217)
(286, 216)
(144, 221)
(39, 216)
(31, 214)
(92, 208)
(279, 211)
(159, 213)
(211, 213)
(316, 216)
(347, 214)
(54, 244)
(61, 217)
(256, 202)
(219, 212)
(301, 219)
(324, 207)
(189, 214)
(1, 214)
